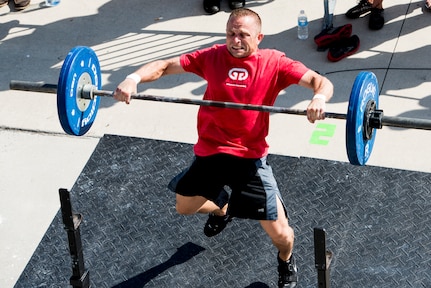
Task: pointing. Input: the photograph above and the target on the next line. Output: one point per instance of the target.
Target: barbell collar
(375, 120)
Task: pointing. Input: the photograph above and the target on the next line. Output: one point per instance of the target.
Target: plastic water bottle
(302, 25)
(52, 2)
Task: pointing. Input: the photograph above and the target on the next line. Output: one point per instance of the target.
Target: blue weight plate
(61, 98)
(365, 89)
(80, 67)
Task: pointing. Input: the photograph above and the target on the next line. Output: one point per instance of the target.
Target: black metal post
(323, 258)
(80, 277)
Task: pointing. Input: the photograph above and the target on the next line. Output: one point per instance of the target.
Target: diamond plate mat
(377, 221)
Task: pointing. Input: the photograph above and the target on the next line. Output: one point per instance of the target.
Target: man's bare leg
(281, 234)
(188, 205)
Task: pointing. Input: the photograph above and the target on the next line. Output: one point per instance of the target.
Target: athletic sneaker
(362, 8)
(235, 4)
(377, 19)
(343, 48)
(329, 36)
(287, 273)
(212, 6)
(215, 224)
(21, 4)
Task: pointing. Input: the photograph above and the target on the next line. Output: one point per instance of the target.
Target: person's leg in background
(377, 20)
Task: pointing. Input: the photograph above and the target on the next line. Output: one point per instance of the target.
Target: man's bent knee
(279, 231)
(284, 234)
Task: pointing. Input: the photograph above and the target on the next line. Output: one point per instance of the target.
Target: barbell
(79, 86)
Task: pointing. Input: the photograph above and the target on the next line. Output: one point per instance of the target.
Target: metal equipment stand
(80, 277)
(323, 258)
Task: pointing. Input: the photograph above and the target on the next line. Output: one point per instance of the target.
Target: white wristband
(135, 77)
(320, 96)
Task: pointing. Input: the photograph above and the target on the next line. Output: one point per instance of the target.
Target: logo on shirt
(238, 74)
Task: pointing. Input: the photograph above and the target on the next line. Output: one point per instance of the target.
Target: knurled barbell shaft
(401, 122)
(220, 104)
(87, 94)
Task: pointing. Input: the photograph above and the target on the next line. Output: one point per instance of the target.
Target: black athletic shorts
(252, 186)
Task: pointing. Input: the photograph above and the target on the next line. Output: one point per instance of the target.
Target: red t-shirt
(257, 79)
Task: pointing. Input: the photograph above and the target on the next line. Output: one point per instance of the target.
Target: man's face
(242, 36)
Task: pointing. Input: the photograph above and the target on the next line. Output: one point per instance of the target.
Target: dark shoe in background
(3, 2)
(362, 8)
(212, 6)
(377, 19)
(343, 48)
(329, 36)
(236, 4)
(21, 4)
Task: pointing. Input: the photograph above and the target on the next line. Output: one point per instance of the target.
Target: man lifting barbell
(78, 91)
(231, 150)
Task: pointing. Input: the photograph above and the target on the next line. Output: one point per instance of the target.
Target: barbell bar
(79, 85)
(90, 91)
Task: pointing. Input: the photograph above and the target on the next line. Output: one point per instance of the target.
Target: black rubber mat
(377, 220)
